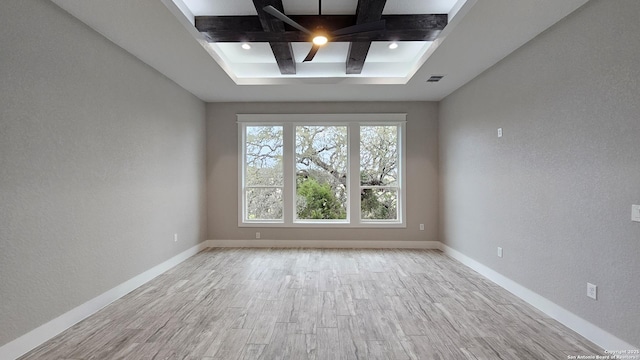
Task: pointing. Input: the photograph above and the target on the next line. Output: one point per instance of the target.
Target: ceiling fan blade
(312, 53)
(370, 26)
(277, 14)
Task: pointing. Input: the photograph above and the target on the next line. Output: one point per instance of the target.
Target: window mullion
(288, 160)
(354, 173)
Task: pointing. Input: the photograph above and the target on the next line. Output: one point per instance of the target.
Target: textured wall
(421, 157)
(102, 160)
(556, 191)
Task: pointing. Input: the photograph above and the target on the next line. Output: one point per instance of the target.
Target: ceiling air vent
(435, 78)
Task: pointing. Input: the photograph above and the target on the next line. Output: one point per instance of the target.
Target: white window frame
(353, 123)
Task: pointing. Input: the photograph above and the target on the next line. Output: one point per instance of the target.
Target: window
(263, 173)
(321, 172)
(337, 170)
(379, 186)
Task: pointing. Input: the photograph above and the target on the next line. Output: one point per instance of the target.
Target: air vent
(435, 78)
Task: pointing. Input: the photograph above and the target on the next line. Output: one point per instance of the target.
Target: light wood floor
(317, 304)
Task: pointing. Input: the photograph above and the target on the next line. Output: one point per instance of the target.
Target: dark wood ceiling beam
(367, 11)
(282, 50)
(249, 28)
(356, 56)
(295, 36)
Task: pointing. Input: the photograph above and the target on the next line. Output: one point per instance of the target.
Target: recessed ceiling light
(393, 45)
(246, 46)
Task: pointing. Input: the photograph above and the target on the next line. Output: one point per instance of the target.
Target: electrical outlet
(592, 291)
(499, 132)
(175, 237)
(635, 213)
(421, 227)
(257, 235)
(499, 251)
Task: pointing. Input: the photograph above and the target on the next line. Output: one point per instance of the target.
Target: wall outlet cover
(635, 213)
(592, 291)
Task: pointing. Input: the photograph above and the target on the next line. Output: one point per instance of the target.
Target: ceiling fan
(320, 36)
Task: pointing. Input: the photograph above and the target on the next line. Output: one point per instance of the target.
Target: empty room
(308, 179)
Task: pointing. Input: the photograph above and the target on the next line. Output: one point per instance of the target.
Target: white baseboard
(43, 333)
(331, 244)
(588, 330)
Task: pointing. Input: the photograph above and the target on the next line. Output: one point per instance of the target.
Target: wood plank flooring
(317, 304)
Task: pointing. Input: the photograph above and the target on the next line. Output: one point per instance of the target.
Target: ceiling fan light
(320, 40)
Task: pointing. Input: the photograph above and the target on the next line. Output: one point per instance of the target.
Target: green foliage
(317, 201)
(378, 204)
(370, 205)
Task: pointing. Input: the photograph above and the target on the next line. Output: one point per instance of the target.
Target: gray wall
(102, 160)
(556, 191)
(421, 157)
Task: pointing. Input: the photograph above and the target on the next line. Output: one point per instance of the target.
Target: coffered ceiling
(256, 45)
(162, 33)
